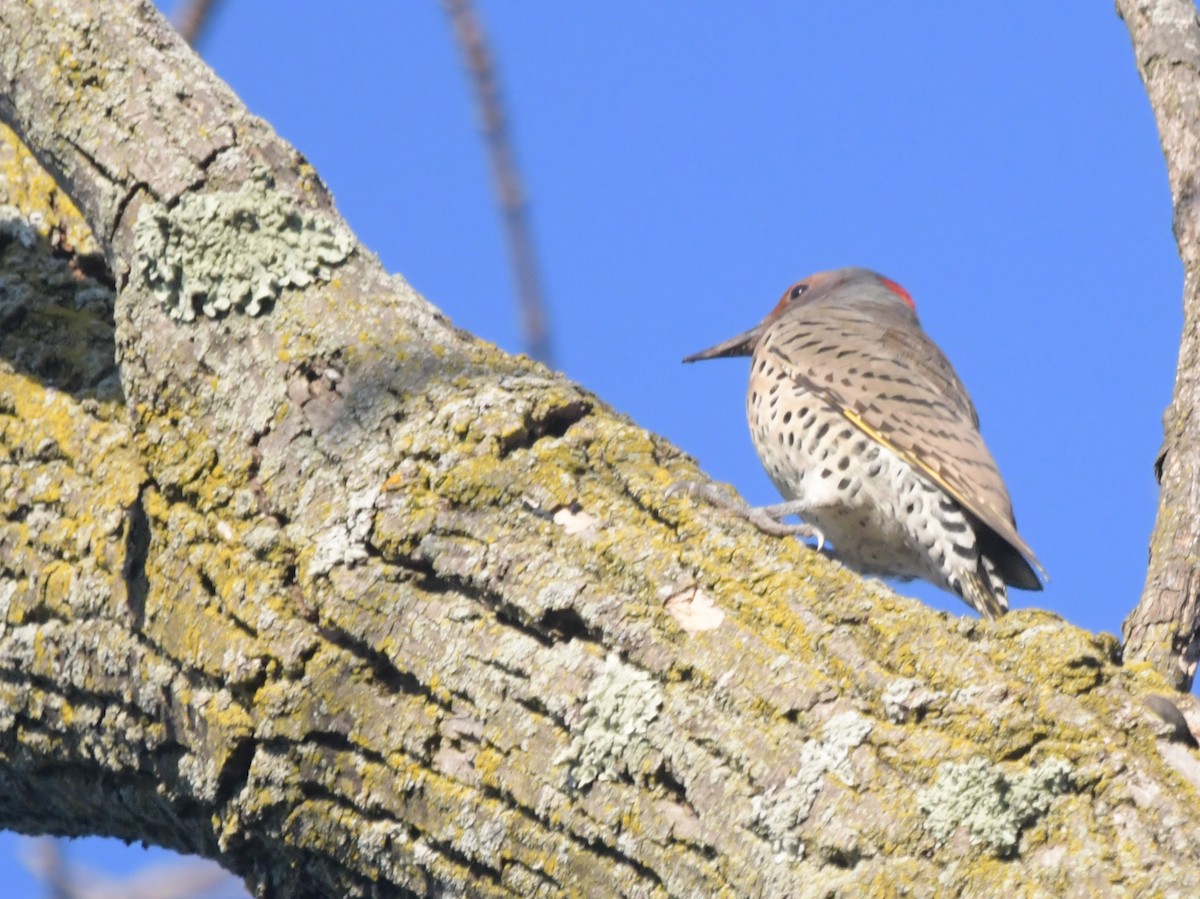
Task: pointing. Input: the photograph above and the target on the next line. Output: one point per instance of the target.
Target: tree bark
(329, 591)
(1164, 628)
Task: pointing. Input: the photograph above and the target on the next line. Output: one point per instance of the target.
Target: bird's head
(844, 287)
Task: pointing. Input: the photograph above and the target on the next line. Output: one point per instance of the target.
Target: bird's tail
(985, 590)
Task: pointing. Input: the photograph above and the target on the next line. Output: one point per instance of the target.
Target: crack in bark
(137, 548)
(395, 679)
(104, 703)
(110, 227)
(235, 772)
(124, 204)
(541, 424)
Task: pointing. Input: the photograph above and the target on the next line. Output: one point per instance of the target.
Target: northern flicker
(863, 425)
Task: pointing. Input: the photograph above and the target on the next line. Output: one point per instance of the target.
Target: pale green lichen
(779, 812)
(993, 805)
(234, 250)
(621, 703)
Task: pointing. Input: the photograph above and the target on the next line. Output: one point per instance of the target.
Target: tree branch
(357, 605)
(1164, 629)
(193, 18)
(510, 194)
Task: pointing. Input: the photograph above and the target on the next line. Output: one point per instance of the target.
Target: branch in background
(468, 31)
(192, 18)
(187, 878)
(1164, 629)
(46, 861)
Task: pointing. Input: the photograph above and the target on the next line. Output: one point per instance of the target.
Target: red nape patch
(900, 292)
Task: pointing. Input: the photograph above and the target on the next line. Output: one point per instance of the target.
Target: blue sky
(685, 163)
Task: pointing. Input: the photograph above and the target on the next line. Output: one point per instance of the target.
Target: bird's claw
(710, 492)
(767, 519)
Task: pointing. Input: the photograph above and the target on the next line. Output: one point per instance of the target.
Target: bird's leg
(767, 519)
(770, 519)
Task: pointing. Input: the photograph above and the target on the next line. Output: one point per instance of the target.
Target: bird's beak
(742, 345)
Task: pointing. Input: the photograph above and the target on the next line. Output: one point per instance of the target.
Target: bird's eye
(796, 291)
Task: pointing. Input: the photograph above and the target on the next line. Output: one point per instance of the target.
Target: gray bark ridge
(1164, 629)
(357, 605)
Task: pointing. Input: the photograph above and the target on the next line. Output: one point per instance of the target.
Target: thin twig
(192, 17)
(46, 861)
(468, 31)
(181, 878)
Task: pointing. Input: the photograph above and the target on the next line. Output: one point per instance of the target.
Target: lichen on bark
(233, 250)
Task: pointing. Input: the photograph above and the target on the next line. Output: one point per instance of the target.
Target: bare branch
(185, 878)
(46, 861)
(468, 30)
(1164, 629)
(193, 18)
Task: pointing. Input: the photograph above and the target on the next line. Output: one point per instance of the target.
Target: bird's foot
(770, 520)
(767, 519)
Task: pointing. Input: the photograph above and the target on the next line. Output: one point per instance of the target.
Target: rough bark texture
(360, 606)
(1164, 629)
